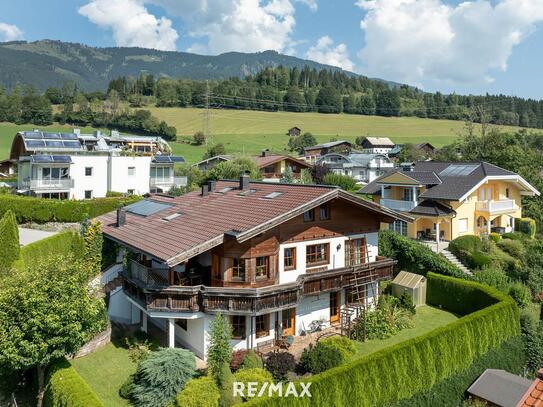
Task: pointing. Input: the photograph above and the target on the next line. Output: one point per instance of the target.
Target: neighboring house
(427, 150)
(8, 168)
(273, 166)
(312, 154)
(448, 200)
(363, 168)
(294, 131)
(209, 163)
(85, 166)
(500, 388)
(376, 145)
(273, 258)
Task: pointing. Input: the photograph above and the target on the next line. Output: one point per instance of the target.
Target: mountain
(51, 63)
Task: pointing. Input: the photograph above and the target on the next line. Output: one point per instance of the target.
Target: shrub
(520, 293)
(318, 358)
(9, 241)
(526, 226)
(252, 360)
(494, 277)
(255, 375)
(66, 388)
(495, 237)
(478, 260)
(383, 322)
(199, 138)
(514, 236)
(200, 392)
(225, 382)
(237, 359)
(413, 366)
(514, 248)
(415, 257)
(405, 301)
(161, 376)
(127, 388)
(346, 347)
(279, 364)
(343, 181)
(468, 243)
(532, 337)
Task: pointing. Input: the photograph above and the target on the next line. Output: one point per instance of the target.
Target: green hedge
(415, 257)
(509, 356)
(66, 388)
(415, 365)
(526, 226)
(41, 210)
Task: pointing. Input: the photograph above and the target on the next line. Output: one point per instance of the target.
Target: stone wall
(99, 341)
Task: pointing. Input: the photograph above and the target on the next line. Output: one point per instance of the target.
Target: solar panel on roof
(162, 159)
(458, 170)
(178, 159)
(54, 143)
(68, 136)
(42, 159)
(72, 144)
(146, 207)
(62, 159)
(32, 135)
(34, 143)
(51, 135)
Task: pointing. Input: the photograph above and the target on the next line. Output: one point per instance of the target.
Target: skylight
(458, 170)
(248, 192)
(225, 190)
(172, 216)
(273, 195)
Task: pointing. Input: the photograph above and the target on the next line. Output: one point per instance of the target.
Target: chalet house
(294, 131)
(8, 168)
(312, 154)
(363, 168)
(272, 257)
(448, 200)
(273, 166)
(209, 163)
(426, 148)
(85, 166)
(376, 145)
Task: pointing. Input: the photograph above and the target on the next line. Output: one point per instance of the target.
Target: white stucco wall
(97, 182)
(120, 180)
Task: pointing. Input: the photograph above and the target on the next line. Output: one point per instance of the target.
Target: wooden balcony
(252, 301)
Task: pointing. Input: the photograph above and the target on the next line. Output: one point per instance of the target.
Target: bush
(200, 392)
(514, 248)
(161, 376)
(478, 260)
(199, 138)
(521, 294)
(405, 301)
(383, 322)
(66, 388)
(532, 337)
(514, 236)
(42, 210)
(220, 351)
(346, 347)
(526, 226)
(495, 237)
(237, 359)
(415, 257)
(279, 364)
(494, 277)
(9, 241)
(225, 382)
(318, 358)
(468, 243)
(413, 366)
(252, 360)
(255, 375)
(127, 388)
(343, 181)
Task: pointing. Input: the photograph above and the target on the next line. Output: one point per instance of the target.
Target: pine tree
(220, 351)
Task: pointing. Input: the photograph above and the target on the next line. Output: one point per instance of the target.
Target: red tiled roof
(534, 395)
(204, 220)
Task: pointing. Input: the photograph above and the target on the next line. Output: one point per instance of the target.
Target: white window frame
(133, 170)
(463, 225)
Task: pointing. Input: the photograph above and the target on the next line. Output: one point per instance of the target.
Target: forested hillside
(326, 91)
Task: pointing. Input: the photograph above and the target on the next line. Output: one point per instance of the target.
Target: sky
(467, 47)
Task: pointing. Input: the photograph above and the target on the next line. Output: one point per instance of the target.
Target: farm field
(249, 132)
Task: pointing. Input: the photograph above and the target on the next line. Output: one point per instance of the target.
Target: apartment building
(364, 168)
(86, 166)
(272, 257)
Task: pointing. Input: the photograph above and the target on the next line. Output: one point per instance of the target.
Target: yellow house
(447, 200)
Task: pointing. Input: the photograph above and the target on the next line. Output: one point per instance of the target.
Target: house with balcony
(86, 166)
(364, 168)
(313, 153)
(448, 199)
(272, 257)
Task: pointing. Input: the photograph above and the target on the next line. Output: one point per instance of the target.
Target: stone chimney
(121, 217)
(244, 181)
(211, 185)
(205, 190)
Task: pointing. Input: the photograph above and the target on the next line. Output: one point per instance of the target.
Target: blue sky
(476, 46)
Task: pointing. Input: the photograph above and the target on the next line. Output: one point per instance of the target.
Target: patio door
(288, 321)
(334, 306)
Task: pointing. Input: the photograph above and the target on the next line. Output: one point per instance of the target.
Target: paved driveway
(27, 236)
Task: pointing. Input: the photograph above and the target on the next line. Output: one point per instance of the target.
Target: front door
(288, 321)
(334, 307)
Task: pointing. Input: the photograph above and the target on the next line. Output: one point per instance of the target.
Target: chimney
(77, 131)
(115, 134)
(211, 185)
(265, 152)
(244, 181)
(205, 190)
(98, 134)
(540, 374)
(121, 217)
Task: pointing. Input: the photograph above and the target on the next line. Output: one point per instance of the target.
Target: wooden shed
(413, 284)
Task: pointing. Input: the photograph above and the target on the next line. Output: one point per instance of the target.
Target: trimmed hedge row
(41, 210)
(66, 388)
(413, 366)
(509, 356)
(415, 257)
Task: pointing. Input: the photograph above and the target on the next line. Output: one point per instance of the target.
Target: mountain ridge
(46, 63)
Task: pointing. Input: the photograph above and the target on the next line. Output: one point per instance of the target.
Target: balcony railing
(503, 205)
(48, 184)
(398, 205)
(168, 182)
(147, 275)
(144, 289)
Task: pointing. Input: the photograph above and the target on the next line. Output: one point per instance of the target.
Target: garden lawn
(425, 320)
(105, 371)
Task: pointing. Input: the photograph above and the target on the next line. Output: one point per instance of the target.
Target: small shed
(413, 284)
(294, 131)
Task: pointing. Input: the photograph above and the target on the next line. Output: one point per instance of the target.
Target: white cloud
(10, 32)
(312, 4)
(325, 52)
(131, 23)
(235, 25)
(420, 40)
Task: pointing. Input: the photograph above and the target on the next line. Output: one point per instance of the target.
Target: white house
(272, 257)
(364, 168)
(377, 145)
(85, 166)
